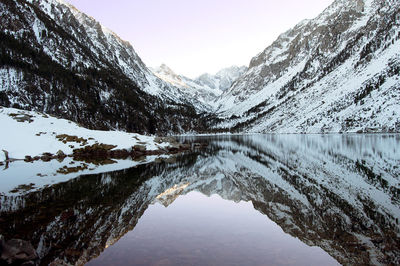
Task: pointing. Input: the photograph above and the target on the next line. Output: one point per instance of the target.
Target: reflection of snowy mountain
(337, 192)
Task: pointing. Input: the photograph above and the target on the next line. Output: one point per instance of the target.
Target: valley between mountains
(92, 139)
(336, 73)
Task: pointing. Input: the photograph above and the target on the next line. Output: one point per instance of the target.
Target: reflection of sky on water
(200, 230)
(339, 193)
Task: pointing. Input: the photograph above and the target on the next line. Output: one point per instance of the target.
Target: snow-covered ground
(30, 133)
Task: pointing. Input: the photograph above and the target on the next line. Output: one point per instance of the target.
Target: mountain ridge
(206, 88)
(350, 47)
(57, 60)
(335, 73)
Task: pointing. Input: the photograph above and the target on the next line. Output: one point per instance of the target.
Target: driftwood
(6, 154)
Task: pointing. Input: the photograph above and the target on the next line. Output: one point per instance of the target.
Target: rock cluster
(46, 157)
(17, 252)
(103, 151)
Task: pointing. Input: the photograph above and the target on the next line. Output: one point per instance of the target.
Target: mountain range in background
(206, 88)
(338, 72)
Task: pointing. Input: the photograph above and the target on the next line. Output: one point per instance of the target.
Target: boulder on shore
(140, 148)
(17, 251)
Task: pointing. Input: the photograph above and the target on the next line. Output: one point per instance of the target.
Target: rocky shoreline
(100, 152)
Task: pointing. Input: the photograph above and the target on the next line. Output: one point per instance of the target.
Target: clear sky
(197, 36)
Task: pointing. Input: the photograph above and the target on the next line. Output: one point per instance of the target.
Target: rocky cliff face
(57, 60)
(336, 73)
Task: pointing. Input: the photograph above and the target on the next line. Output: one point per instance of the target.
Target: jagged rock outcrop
(223, 79)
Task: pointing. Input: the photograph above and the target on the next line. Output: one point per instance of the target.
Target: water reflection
(340, 193)
(200, 230)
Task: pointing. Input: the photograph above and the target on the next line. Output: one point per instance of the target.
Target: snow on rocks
(34, 134)
(31, 141)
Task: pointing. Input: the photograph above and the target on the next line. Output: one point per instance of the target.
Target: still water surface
(200, 230)
(243, 200)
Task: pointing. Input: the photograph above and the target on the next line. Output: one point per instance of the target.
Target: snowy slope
(60, 61)
(104, 43)
(202, 97)
(28, 133)
(336, 73)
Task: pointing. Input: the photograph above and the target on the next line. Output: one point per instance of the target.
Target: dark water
(243, 200)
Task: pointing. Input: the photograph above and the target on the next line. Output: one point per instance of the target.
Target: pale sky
(195, 37)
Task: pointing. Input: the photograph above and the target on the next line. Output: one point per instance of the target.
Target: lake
(242, 200)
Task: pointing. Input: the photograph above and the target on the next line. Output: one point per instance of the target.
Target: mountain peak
(337, 72)
(107, 80)
(163, 68)
(326, 74)
(223, 79)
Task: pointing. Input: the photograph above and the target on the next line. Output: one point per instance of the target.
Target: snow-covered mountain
(206, 88)
(57, 60)
(190, 88)
(338, 72)
(223, 79)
